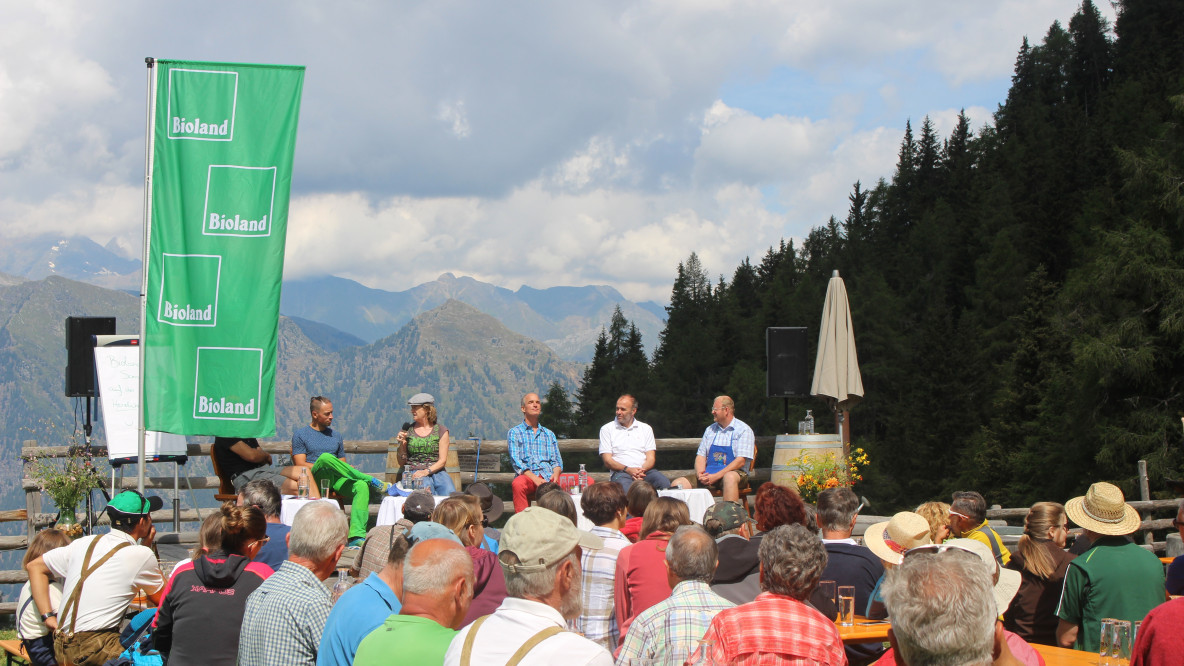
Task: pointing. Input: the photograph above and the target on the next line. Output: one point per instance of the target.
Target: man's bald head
(432, 565)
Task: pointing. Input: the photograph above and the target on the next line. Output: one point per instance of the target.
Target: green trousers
(350, 484)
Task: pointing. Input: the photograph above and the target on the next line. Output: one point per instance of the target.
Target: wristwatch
(46, 616)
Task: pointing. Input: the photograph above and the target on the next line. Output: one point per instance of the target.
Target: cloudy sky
(539, 143)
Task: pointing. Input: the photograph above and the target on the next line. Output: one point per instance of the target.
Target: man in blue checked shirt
(533, 452)
(723, 455)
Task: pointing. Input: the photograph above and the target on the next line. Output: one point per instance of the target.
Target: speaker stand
(785, 419)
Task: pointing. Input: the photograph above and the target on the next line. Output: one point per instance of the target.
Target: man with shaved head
(534, 452)
(437, 590)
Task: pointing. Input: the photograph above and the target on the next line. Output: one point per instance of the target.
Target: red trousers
(523, 489)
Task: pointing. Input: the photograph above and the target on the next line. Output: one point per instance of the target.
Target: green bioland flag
(222, 142)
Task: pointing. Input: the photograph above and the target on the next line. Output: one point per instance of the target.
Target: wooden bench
(14, 650)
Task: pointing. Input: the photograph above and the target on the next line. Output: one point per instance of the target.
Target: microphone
(406, 427)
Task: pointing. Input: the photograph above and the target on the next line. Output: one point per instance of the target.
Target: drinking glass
(1120, 643)
(846, 605)
(702, 654)
(324, 488)
(827, 589)
(1105, 641)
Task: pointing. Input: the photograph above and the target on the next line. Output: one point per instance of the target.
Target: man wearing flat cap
(1114, 578)
(540, 555)
(117, 565)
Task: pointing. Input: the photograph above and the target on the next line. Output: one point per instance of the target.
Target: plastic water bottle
(302, 484)
(583, 479)
(809, 422)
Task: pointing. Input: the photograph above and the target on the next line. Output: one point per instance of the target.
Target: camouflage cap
(730, 515)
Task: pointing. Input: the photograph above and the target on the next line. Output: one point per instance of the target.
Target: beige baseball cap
(539, 538)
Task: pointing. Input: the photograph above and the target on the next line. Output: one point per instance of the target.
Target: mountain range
(567, 319)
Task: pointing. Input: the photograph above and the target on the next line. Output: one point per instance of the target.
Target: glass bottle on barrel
(809, 422)
(583, 479)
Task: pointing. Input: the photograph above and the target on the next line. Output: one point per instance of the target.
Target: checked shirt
(664, 632)
(775, 629)
(532, 450)
(284, 619)
(598, 621)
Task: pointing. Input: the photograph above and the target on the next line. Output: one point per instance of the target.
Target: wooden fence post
(1145, 495)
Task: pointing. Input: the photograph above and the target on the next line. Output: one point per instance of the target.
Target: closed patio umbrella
(836, 370)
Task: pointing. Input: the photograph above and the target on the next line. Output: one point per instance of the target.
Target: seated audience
(35, 637)
(640, 578)
(604, 506)
(241, 460)
(1114, 578)
(462, 515)
(437, 589)
(968, 520)
(263, 495)
(202, 609)
(492, 508)
(848, 563)
(562, 504)
(637, 498)
(540, 554)
(779, 626)
(285, 617)
(889, 540)
(776, 505)
(363, 608)
(417, 508)
(738, 576)
(664, 632)
(938, 515)
(1160, 640)
(943, 611)
(1042, 562)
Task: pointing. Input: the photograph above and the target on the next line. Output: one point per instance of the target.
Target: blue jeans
(439, 483)
(652, 476)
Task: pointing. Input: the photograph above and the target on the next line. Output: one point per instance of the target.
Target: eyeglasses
(718, 409)
(937, 549)
(960, 515)
(262, 541)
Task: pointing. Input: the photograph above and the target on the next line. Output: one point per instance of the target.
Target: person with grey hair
(363, 607)
(263, 495)
(540, 555)
(670, 630)
(943, 609)
(437, 590)
(847, 562)
(779, 623)
(284, 618)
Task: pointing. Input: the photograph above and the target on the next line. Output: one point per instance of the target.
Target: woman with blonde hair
(640, 580)
(462, 514)
(938, 515)
(423, 449)
(201, 610)
(36, 638)
(1042, 562)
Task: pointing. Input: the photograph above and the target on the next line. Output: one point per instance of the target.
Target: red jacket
(641, 578)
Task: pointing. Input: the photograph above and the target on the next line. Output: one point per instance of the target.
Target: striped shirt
(533, 450)
(738, 435)
(597, 621)
(284, 619)
(669, 631)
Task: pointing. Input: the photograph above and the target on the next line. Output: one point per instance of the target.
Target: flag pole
(149, 121)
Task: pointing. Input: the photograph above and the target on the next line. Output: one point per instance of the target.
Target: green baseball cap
(131, 503)
(729, 514)
(539, 538)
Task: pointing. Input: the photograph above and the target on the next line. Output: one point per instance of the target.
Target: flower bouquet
(819, 472)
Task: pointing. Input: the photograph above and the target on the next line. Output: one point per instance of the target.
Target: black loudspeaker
(80, 353)
(788, 374)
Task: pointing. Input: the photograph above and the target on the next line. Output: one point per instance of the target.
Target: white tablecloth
(292, 504)
(698, 501)
(391, 509)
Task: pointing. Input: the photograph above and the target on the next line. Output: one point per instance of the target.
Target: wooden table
(1058, 656)
(865, 631)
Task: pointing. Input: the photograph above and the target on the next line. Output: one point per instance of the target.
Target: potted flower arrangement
(819, 472)
(67, 482)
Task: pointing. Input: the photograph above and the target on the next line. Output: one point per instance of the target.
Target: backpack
(137, 642)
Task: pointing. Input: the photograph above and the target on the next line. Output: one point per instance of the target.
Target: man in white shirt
(117, 565)
(628, 449)
(540, 555)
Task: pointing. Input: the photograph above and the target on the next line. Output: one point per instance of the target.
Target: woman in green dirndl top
(423, 450)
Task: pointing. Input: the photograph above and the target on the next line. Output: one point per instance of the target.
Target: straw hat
(1007, 581)
(1103, 510)
(890, 539)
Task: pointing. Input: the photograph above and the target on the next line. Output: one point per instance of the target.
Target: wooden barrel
(789, 449)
